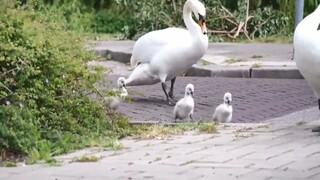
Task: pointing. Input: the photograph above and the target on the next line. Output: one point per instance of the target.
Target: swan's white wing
(153, 42)
(177, 108)
(142, 75)
(307, 49)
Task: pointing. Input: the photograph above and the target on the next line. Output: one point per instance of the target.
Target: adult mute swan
(184, 107)
(223, 113)
(161, 55)
(307, 51)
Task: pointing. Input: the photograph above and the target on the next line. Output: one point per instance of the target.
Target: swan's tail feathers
(133, 62)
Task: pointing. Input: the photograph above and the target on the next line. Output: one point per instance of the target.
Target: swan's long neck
(192, 26)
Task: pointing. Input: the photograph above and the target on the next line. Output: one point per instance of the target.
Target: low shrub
(45, 108)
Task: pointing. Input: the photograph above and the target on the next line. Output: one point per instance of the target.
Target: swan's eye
(202, 18)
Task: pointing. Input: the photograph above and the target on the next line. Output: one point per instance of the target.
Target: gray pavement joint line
(279, 144)
(285, 164)
(277, 155)
(312, 154)
(280, 129)
(313, 175)
(198, 150)
(244, 155)
(314, 167)
(249, 172)
(239, 147)
(282, 135)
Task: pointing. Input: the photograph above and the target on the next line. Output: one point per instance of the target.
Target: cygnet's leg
(317, 129)
(164, 88)
(171, 89)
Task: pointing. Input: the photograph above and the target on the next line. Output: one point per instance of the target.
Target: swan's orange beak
(202, 23)
(203, 27)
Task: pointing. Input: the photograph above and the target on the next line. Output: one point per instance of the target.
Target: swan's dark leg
(164, 88)
(191, 117)
(317, 129)
(171, 89)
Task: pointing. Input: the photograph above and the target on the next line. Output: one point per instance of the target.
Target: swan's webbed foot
(172, 97)
(171, 102)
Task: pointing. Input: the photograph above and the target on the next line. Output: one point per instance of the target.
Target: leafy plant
(45, 83)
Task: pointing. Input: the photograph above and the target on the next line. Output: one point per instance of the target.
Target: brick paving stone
(254, 100)
(274, 152)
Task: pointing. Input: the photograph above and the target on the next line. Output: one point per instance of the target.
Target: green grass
(210, 128)
(256, 65)
(205, 63)
(300, 123)
(9, 164)
(162, 131)
(232, 60)
(86, 158)
(256, 56)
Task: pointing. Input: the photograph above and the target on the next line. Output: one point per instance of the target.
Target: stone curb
(199, 70)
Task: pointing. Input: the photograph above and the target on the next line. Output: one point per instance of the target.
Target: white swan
(160, 56)
(307, 51)
(223, 113)
(185, 106)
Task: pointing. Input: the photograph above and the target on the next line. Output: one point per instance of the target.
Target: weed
(87, 159)
(162, 131)
(109, 56)
(232, 60)
(256, 56)
(207, 128)
(256, 65)
(205, 63)
(9, 164)
(300, 123)
(113, 144)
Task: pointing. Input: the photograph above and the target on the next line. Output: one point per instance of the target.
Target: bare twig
(239, 29)
(7, 89)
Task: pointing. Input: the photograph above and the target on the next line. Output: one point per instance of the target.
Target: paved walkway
(239, 151)
(254, 100)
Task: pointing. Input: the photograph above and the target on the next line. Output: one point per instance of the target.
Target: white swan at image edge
(307, 52)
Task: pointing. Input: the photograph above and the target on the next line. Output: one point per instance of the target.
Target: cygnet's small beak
(228, 101)
(124, 85)
(202, 23)
(192, 93)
